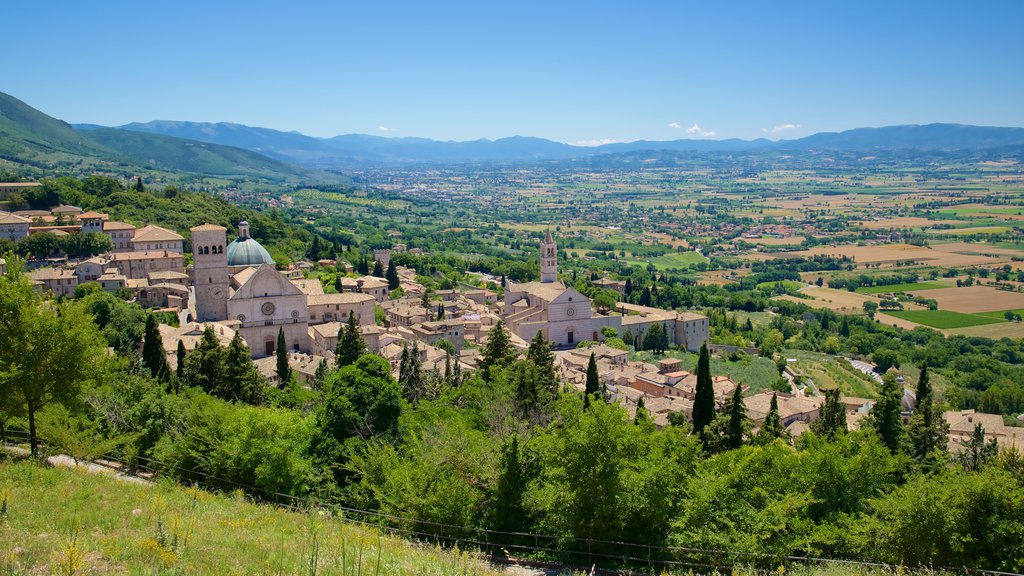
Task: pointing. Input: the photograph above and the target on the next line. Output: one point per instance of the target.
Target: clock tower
(548, 259)
(210, 272)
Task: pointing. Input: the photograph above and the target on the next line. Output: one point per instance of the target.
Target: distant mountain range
(30, 137)
(359, 149)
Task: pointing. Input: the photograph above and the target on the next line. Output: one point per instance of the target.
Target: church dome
(247, 252)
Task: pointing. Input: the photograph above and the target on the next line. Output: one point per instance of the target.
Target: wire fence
(528, 548)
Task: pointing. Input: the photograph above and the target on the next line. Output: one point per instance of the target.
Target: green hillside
(60, 521)
(30, 138)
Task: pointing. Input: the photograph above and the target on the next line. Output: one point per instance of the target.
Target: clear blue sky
(569, 71)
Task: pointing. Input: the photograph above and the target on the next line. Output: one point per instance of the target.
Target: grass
(911, 286)
(753, 371)
(69, 522)
(829, 372)
(943, 319)
(1000, 314)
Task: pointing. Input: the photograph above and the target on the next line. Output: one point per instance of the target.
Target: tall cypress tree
(540, 354)
(737, 419)
(392, 276)
(242, 381)
(832, 416)
(153, 350)
(886, 416)
(927, 430)
(704, 396)
(284, 372)
(350, 344)
(508, 510)
(771, 428)
(180, 370)
(593, 382)
(378, 269)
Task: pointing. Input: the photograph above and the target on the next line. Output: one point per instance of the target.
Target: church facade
(564, 315)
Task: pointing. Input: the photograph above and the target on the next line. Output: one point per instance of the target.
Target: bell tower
(210, 272)
(548, 259)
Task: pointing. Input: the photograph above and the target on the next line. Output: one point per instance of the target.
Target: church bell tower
(548, 259)
(210, 272)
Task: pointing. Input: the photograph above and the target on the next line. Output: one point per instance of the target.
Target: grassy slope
(117, 532)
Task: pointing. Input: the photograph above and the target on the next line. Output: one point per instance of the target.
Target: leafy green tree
(498, 353)
(204, 366)
(392, 276)
(832, 416)
(593, 384)
(350, 343)
(771, 428)
(885, 358)
(977, 452)
(886, 415)
(47, 352)
(153, 356)
(738, 424)
(283, 371)
(870, 308)
(704, 395)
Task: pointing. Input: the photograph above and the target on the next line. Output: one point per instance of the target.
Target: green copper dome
(247, 252)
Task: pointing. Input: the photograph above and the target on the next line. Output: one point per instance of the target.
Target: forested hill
(43, 145)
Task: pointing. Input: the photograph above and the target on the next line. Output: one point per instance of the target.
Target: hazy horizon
(579, 73)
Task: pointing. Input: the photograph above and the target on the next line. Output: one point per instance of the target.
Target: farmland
(892, 288)
(942, 319)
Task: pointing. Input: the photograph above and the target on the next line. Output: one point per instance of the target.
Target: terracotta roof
(51, 274)
(109, 225)
(153, 233)
(208, 228)
(343, 298)
(63, 209)
(91, 215)
(146, 255)
(8, 218)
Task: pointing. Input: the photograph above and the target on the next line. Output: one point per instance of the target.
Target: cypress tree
(737, 419)
(927, 430)
(641, 412)
(284, 372)
(886, 414)
(498, 353)
(540, 354)
(704, 396)
(180, 370)
(320, 376)
(593, 382)
(440, 310)
(511, 485)
(350, 344)
(153, 350)
(242, 381)
(832, 416)
(771, 428)
(138, 185)
(392, 276)
(378, 269)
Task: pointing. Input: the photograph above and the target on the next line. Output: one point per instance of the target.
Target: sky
(579, 72)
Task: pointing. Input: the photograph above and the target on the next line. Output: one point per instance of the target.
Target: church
(561, 313)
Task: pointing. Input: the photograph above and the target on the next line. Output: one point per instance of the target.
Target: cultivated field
(944, 255)
(912, 287)
(838, 300)
(902, 222)
(976, 299)
(942, 319)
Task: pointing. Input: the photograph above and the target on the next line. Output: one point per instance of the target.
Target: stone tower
(210, 272)
(548, 259)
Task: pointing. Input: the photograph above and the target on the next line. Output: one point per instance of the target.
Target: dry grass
(976, 299)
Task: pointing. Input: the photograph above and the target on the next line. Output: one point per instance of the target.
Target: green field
(670, 260)
(912, 286)
(944, 318)
(788, 285)
(1000, 314)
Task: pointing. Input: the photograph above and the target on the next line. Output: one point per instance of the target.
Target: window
(268, 322)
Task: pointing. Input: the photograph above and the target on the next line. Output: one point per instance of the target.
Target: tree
(976, 452)
(593, 386)
(241, 381)
(771, 428)
(392, 276)
(283, 371)
(378, 269)
(204, 366)
(350, 344)
(179, 370)
(440, 310)
(885, 358)
(498, 352)
(507, 508)
(927, 430)
(138, 185)
(737, 419)
(410, 374)
(886, 414)
(832, 416)
(540, 355)
(870, 307)
(320, 376)
(47, 352)
(153, 356)
(704, 395)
